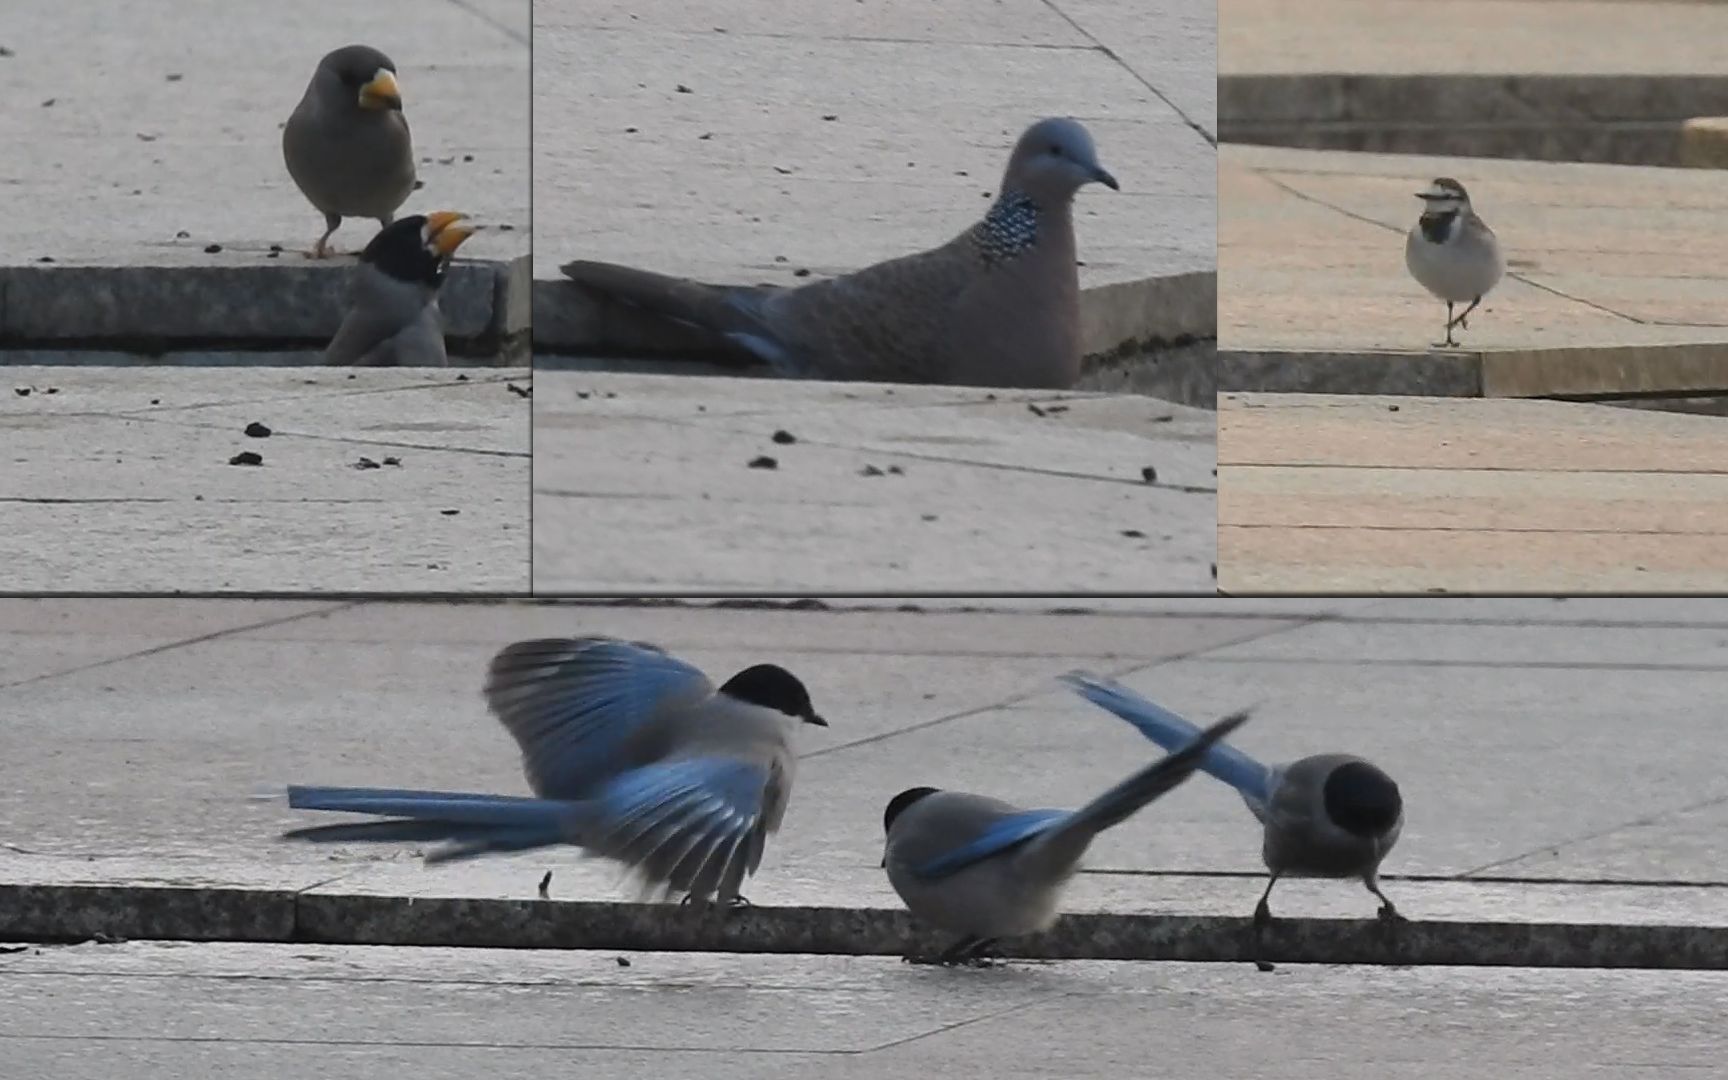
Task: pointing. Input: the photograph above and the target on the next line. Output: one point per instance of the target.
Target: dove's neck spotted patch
(1010, 228)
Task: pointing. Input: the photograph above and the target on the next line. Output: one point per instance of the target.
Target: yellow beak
(447, 230)
(381, 93)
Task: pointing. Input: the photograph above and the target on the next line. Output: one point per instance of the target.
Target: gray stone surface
(643, 483)
(630, 169)
(120, 481)
(314, 1011)
(168, 141)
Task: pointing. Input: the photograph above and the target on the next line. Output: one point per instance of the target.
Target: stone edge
(70, 913)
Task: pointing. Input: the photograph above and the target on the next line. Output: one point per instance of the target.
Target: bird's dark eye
(1055, 149)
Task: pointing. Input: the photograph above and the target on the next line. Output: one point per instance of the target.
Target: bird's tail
(470, 823)
(1060, 847)
(732, 311)
(1170, 731)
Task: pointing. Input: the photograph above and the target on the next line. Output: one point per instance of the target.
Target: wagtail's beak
(382, 92)
(448, 229)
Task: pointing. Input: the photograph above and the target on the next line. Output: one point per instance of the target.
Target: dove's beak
(382, 92)
(1105, 178)
(447, 230)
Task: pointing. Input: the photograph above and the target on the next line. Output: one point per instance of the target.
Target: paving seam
(1513, 274)
(464, 5)
(1643, 819)
(1029, 695)
(1210, 137)
(59, 914)
(325, 610)
(1060, 474)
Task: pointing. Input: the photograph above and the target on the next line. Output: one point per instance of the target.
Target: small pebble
(211, 249)
(367, 463)
(254, 429)
(871, 470)
(623, 961)
(246, 457)
(764, 462)
(785, 438)
(1149, 475)
(449, 513)
(1134, 534)
(396, 461)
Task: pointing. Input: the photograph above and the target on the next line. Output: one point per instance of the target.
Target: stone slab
(644, 483)
(305, 1012)
(1409, 495)
(1619, 296)
(121, 480)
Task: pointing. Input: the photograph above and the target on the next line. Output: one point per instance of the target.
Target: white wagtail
(1452, 252)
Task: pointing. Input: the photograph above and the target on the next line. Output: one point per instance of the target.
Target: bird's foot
(1389, 915)
(735, 903)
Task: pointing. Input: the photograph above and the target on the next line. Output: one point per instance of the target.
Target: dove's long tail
(1250, 777)
(735, 312)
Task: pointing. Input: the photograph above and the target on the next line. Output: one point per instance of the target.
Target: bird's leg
(1263, 922)
(1388, 911)
(1463, 316)
(1263, 910)
(1449, 343)
(546, 886)
(321, 250)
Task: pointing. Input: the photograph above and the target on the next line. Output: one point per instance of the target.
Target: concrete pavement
(286, 1012)
(1357, 493)
(646, 483)
(1615, 286)
(1506, 722)
(1575, 80)
(386, 480)
(150, 209)
(753, 142)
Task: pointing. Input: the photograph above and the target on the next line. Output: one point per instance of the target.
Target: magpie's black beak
(812, 718)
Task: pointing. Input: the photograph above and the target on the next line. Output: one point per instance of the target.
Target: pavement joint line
(994, 1014)
(1584, 838)
(199, 639)
(867, 39)
(507, 31)
(911, 455)
(58, 914)
(1059, 474)
(1193, 125)
(1428, 879)
(1511, 272)
(323, 391)
(478, 451)
(227, 1040)
(1021, 697)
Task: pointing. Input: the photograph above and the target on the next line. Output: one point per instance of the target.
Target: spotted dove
(999, 305)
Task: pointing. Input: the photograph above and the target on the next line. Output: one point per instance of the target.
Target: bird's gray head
(898, 804)
(1444, 196)
(773, 687)
(364, 76)
(1054, 159)
(1362, 800)
(418, 248)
